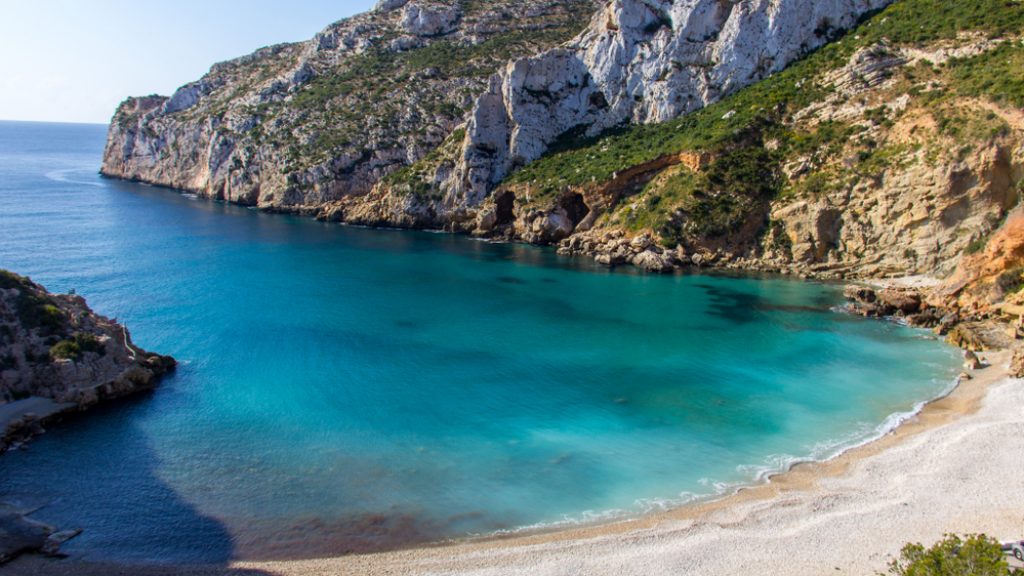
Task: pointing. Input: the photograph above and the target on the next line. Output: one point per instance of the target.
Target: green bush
(65, 350)
(9, 280)
(974, 555)
(73, 348)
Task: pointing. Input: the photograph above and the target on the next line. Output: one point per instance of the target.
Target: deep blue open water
(344, 389)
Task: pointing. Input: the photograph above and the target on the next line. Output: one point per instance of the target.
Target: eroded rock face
(638, 61)
(422, 19)
(250, 133)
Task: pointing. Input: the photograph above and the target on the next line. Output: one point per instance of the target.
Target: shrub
(974, 555)
(73, 348)
(65, 350)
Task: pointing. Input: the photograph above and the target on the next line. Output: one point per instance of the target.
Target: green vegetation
(416, 179)
(709, 204)
(9, 280)
(73, 348)
(34, 309)
(679, 204)
(996, 74)
(976, 246)
(975, 555)
(375, 88)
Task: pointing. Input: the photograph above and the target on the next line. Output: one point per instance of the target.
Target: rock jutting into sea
(58, 357)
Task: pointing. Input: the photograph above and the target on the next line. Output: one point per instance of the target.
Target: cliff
(293, 127)
(58, 356)
(839, 138)
(473, 89)
(891, 151)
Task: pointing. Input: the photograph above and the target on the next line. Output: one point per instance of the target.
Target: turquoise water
(345, 390)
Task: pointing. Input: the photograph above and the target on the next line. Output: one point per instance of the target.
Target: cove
(346, 390)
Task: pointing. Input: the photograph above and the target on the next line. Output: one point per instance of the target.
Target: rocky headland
(58, 357)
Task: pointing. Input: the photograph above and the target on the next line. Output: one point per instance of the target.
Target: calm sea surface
(346, 390)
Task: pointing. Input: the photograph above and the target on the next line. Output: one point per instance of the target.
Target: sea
(345, 390)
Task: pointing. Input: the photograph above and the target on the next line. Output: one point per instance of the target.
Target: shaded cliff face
(58, 355)
(293, 127)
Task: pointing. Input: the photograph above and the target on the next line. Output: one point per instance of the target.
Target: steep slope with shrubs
(467, 91)
(888, 152)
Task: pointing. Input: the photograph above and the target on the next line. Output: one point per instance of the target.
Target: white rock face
(638, 61)
(425, 20)
(386, 5)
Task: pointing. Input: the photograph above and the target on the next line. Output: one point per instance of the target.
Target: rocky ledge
(58, 357)
(979, 307)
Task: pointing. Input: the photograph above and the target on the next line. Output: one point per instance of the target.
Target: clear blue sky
(74, 60)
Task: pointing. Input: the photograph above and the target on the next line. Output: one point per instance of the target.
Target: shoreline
(962, 401)
(686, 532)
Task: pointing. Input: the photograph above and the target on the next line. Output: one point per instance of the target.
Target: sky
(75, 60)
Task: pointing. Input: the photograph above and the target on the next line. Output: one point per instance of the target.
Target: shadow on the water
(109, 487)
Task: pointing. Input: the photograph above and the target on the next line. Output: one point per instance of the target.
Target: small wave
(832, 449)
(586, 518)
(62, 176)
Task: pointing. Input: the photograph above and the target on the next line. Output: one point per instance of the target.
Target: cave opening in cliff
(505, 209)
(575, 207)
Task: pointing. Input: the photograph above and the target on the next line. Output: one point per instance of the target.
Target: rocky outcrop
(58, 356)
(20, 535)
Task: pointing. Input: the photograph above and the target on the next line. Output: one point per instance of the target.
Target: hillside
(464, 91)
(888, 152)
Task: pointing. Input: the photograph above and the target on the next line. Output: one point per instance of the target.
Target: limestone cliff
(889, 152)
(313, 127)
(293, 127)
(57, 355)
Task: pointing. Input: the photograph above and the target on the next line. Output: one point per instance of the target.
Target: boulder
(651, 261)
(428, 20)
(1017, 363)
(971, 360)
(899, 300)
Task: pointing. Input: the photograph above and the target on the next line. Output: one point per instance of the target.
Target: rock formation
(58, 356)
(295, 127)
(313, 127)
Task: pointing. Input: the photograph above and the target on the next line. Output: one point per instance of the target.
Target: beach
(957, 467)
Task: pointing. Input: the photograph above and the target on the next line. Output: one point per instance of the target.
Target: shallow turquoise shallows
(346, 390)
